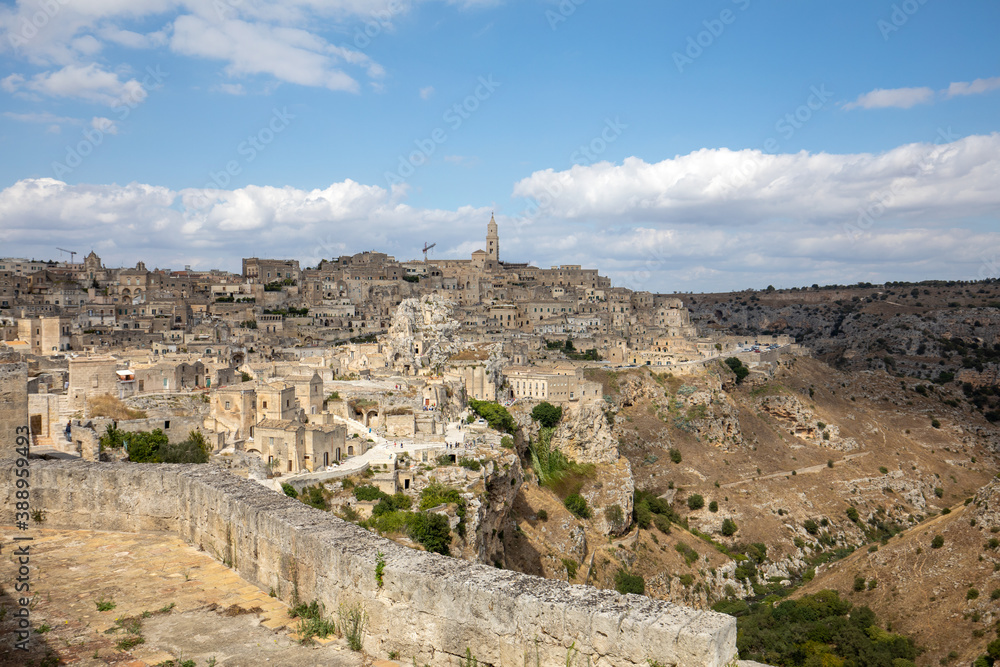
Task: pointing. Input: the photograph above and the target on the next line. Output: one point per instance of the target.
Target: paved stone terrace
(72, 569)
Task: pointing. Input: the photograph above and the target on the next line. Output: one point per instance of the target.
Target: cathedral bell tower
(492, 240)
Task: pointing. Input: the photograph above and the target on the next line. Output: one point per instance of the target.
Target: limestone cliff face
(634, 388)
(613, 489)
(987, 504)
(425, 324)
(489, 513)
(584, 435)
(804, 424)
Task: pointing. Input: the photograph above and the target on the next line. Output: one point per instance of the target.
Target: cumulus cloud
(726, 187)
(164, 226)
(281, 40)
(91, 83)
(901, 98)
(976, 87)
(289, 54)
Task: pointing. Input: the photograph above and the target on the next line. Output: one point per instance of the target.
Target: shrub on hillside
(737, 367)
(577, 504)
(495, 415)
(625, 582)
(546, 414)
(194, 449)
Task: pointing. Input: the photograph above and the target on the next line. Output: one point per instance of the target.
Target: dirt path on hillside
(798, 471)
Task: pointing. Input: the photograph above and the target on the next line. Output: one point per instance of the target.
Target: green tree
(546, 414)
(695, 501)
(430, 530)
(144, 447)
(195, 449)
(368, 492)
(495, 415)
(729, 527)
(736, 366)
(113, 437)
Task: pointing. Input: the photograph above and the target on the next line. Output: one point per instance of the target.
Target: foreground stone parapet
(431, 608)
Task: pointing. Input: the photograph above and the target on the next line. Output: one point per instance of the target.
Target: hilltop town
(264, 346)
(720, 452)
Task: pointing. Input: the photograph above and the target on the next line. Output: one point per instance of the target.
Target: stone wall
(431, 608)
(13, 403)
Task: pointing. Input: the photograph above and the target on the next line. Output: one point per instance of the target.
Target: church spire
(492, 240)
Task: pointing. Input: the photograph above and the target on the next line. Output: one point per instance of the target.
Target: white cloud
(131, 39)
(288, 54)
(725, 187)
(901, 98)
(105, 125)
(166, 226)
(904, 98)
(231, 88)
(250, 36)
(40, 117)
(974, 88)
(426, 92)
(91, 83)
(10, 84)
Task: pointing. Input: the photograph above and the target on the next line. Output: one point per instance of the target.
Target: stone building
(292, 446)
(46, 335)
(264, 271)
(276, 400)
(234, 411)
(89, 377)
(308, 392)
(555, 384)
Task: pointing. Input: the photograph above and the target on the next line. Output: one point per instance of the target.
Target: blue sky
(677, 146)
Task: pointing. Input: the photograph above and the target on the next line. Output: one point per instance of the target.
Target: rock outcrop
(804, 424)
(584, 435)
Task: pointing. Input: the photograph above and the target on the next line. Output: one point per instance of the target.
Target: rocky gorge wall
(431, 608)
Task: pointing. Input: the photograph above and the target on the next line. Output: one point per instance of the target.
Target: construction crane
(72, 254)
(426, 248)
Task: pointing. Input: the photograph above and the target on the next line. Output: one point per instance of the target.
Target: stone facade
(89, 377)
